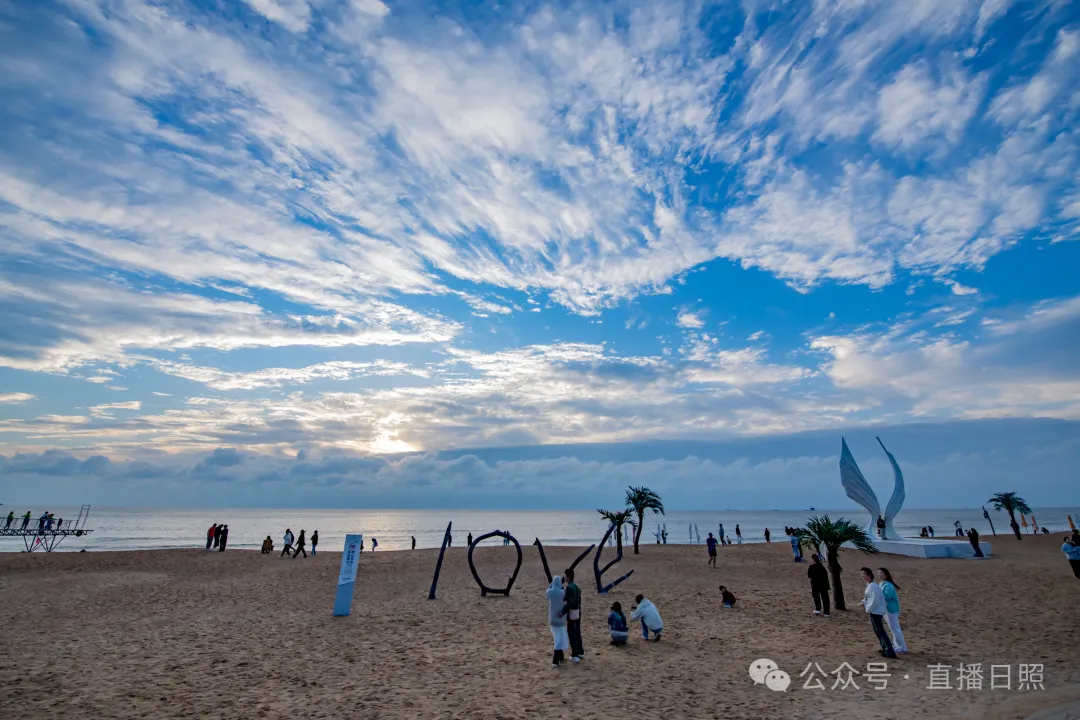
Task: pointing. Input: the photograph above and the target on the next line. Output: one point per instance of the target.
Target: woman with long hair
(892, 609)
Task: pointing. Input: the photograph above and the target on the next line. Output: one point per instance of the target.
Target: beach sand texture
(188, 634)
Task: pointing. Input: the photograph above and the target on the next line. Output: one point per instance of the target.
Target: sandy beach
(188, 634)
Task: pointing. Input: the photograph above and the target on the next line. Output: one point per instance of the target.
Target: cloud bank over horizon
(242, 238)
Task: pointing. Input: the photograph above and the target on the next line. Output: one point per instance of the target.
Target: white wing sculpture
(860, 491)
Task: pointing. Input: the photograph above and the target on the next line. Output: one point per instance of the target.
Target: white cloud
(15, 398)
(105, 410)
(690, 320)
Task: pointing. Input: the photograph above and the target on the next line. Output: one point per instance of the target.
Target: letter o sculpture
(484, 589)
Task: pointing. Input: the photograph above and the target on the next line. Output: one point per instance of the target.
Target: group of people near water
(293, 545)
(217, 537)
(564, 619)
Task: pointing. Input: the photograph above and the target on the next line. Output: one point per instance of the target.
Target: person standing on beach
(710, 543)
(288, 541)
(874, 603)
(573, 617)
(300, 543)
(374, 544)
(469, 540)
(767, 535)
(721, 533)
(973, 538)
(892, 608)
(881, 527)
(1072, 554)
(795, 550)
(556, 598)
(223, 537)
(210, 535)
(217, 535)
(738, 533)
(314, 542)
(413, 541)
(819, 585)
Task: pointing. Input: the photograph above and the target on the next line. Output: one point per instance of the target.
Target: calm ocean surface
(150, 528)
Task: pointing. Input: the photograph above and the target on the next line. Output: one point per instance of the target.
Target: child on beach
(727, 598)
(617, 625)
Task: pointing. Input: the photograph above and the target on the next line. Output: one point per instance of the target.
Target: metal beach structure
(37, 538)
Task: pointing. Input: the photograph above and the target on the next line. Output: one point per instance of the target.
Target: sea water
(117, 528)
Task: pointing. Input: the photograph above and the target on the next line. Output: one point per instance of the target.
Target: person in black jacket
(223, 537)
(299, 548)
(819, 585)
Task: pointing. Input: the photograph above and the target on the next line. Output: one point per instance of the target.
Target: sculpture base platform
(930, 548)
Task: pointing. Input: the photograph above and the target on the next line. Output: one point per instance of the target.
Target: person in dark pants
(314, 542)
(223, 537)
(1072, 553)
(217, 535)
(210, 535)
(874, 603)
(819, 585)
(767, 536)
(413, 541)
(288, 541)
(573, 617)
(300, 543)
(973, 538)
(469, 539)
(710, 543)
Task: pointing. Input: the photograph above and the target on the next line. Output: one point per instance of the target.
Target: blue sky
(242, 242)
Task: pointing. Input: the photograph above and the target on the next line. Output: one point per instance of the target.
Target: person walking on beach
(469, 539)
(374, 544)
(649, 616)
(300, 543)
(767, 535)
(223, 537)
(211, 534)
(573, 617)
(616, 622)
(710, 543)
(973, 538)
(556, 598)
(738, 533)
(874, 603)
(413, 541)
(819, 585)
(314, 542)
(892, 609)
(288, 541)
(1072, 554)
(10, 519)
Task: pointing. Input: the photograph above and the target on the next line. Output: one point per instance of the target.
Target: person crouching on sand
(267, 546)
(727, 597)
(616, 623)
(556, 598)
(649, 616)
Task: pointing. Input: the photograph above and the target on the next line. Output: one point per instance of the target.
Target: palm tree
(642, 499)
(832, 534)
(619, 518)
(1011, 503)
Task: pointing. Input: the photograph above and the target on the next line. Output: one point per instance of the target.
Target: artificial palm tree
(1011, 503)
(641, 499)
(619, 518)
(821, 531)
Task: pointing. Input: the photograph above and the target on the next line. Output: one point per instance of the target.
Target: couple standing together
(564, 618)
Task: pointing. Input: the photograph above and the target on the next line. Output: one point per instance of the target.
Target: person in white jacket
(556, 597)
(874, 603)
(649, 616)
(287, 538)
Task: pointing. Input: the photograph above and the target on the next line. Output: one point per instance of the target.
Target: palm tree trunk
(1015, 527)
(637, 530)
(837, 582)
(618, 538)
